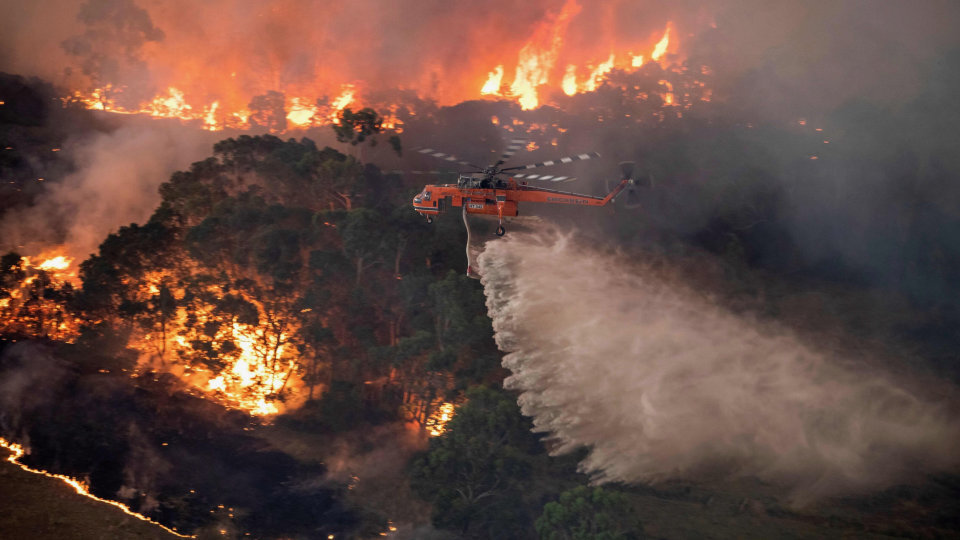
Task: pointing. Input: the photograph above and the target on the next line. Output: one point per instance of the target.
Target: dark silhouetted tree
(475, 473)
(267, 111)
(589, 513)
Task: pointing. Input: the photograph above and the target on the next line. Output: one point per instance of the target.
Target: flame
(599, 72)
(661, 47)
(569, 83)
(301, 112)
(437, 422)
(668, 95)
(216, 91)
(239, 119)
(97, 99)
(173, 105)
(537, 58)
(17, 452)
(532, 71)
(533, 59)
(492, 86)
(59, 262)
(210, 117)
(346, 97)
(256, 371)
(392, 122)
(251, 383)
(256, 378)
(259, 373)
(29, 310)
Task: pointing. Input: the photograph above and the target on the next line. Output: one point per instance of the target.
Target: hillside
(38, 508)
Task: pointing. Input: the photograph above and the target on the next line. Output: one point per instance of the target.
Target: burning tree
(34, 300)
(264, 298)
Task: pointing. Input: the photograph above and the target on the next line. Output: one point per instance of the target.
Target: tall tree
(267, 110)
(474, 473)
(589, 513)
(356, 127)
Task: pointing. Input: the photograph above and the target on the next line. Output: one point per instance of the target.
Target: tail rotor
(629, 198)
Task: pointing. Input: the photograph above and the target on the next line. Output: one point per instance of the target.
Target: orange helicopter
(485, 192)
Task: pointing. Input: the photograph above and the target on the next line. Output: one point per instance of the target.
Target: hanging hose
(470, 265)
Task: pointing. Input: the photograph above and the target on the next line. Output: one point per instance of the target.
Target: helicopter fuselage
(502, 200)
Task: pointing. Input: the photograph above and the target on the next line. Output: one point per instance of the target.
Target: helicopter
(485, 190)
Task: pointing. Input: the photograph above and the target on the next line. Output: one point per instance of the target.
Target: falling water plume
(661, 383)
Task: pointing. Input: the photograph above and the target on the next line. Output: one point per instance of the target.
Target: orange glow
(17, 452)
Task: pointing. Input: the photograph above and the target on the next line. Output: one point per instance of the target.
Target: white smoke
(115, 184)
(661, 383)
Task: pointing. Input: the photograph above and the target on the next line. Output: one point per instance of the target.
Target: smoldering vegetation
(661, 382)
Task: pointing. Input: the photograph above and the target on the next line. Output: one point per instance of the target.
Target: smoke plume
(660, 382)
(115, 184)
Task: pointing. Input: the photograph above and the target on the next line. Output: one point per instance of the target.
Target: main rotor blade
(548, 177)
(569, 159)
(436, 173)
(512, 147)
(447, 157)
